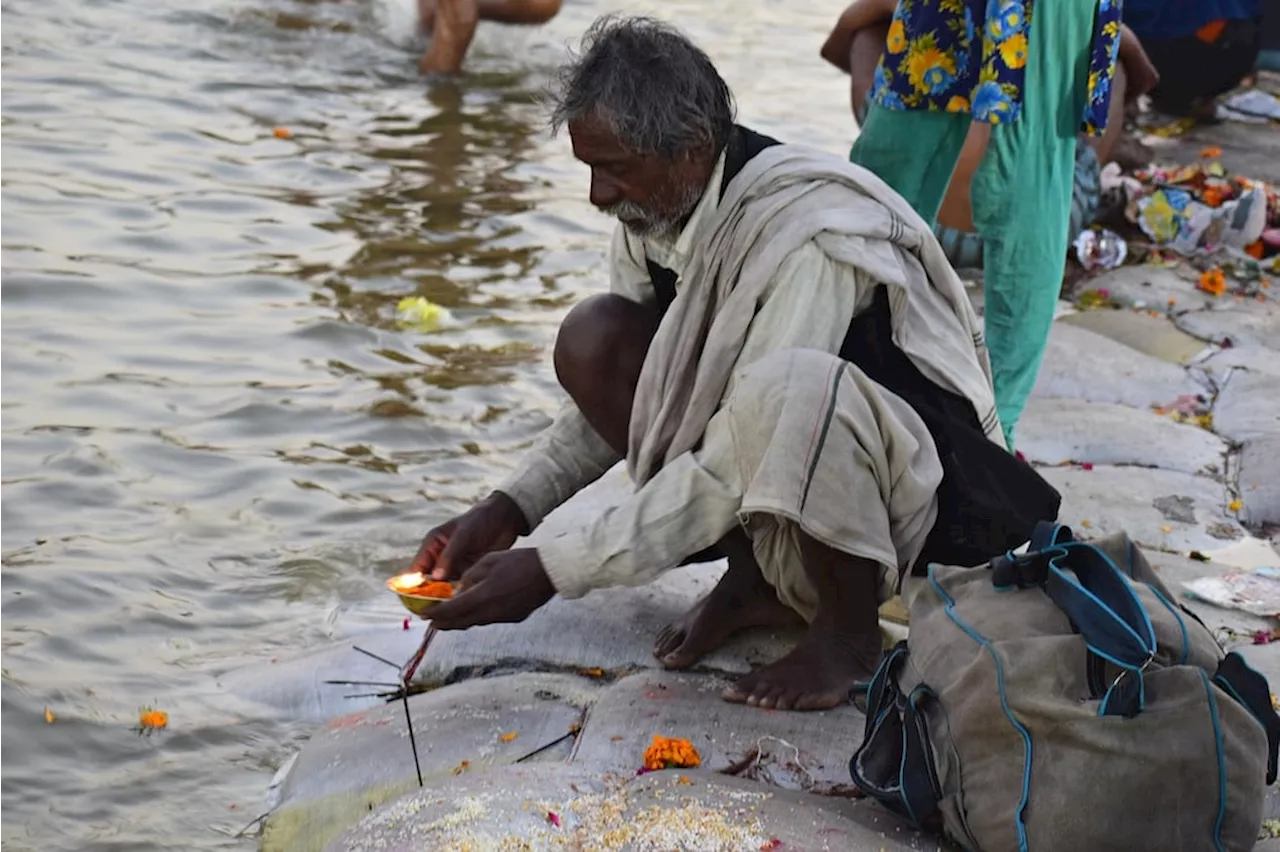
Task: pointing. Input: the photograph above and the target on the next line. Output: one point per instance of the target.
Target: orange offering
(434, 589)
(1213, 281)
(283, 133)
(670, 753)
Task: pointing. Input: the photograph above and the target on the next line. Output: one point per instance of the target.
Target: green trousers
(1021, 192)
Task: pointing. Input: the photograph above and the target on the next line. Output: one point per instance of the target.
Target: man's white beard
(645, 224)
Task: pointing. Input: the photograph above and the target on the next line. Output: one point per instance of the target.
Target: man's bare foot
(818, 674)
(740, 600)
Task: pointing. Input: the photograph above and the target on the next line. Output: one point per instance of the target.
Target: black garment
(989, 500)
(1193, 71)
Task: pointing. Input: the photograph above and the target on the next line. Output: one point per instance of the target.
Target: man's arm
(569, 454)
(859, 15)
(694, 500)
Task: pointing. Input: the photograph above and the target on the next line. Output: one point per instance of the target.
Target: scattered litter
(405, 624)
(1250, 106)
(1087, 524)
(1265, 637)
(461, 767)
(1256, 592)
(508, 737)
(553, 818)
(1271, 827)
(593, 672)
(48, 716)
(1099, 248)
(282, 133)
(422, 314)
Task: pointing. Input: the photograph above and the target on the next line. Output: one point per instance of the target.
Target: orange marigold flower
(1213, 196)
(1211, 151)
(506, 738)
(671, 752)
(1254, 250)
(1213, 281)
(150, 719)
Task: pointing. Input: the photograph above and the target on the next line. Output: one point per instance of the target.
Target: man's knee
(787, 372)
(603, 340)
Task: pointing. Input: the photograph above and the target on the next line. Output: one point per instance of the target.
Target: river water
(217, 442)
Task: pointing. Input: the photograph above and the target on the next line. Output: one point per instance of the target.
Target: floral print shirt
(936, 59)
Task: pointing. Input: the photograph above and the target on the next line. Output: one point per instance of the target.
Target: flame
(409, 581)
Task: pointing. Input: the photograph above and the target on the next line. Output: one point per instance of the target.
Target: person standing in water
(452, 26)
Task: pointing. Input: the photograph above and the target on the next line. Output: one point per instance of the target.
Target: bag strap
(1102, 606)
(1235, 677)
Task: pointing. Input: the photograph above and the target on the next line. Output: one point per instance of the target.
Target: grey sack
(1062, 700)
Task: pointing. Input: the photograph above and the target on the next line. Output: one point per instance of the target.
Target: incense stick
(361, 683)
(413, 743)
(395, 666)
(573, 732)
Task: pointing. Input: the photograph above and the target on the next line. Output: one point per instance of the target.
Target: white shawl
(784, 197)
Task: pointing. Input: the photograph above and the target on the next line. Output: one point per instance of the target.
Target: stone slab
(1247, 323)
(1248, 407)
(1161, 509)
(1259, 480)
(1055, 431)
(808, 751)
(1083, 365)
(508, 808)
(1150, 288)
(1154, 336)
(357, 761)
(1258, 359)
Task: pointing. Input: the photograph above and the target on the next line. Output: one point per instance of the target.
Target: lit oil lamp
(418, 592)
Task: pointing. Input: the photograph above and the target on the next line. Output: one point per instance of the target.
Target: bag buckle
(1021, 571)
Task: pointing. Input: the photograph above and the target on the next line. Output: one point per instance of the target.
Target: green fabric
(1021, 192)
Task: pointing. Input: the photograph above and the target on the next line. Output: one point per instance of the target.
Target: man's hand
(501, 588)
(453, 547)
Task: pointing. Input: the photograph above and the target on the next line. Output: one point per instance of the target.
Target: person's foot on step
(739, 601)
(818, 674)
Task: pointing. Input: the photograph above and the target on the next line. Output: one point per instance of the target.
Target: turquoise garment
(971, 56)
(964, 248)
(1021, 192)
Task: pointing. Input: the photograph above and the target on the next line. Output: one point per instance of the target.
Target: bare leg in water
(598, 356)
(452, 26)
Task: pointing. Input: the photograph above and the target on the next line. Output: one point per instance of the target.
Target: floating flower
(670, 753)
(282, 133)
(151, 720)
(1235, 506)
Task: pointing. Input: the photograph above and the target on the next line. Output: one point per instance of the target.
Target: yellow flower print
(1013, 50)
(958, 104)
(897, 41)
(930, 70)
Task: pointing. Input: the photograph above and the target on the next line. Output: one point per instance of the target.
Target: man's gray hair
(655, 89)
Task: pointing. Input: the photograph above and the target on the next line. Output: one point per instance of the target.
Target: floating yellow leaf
(506, 738)
(1166, 529)
(1086, 524)
(1235, 505)
(48, 716)
(422, 314)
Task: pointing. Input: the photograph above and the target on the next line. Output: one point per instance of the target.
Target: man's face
(649, 195)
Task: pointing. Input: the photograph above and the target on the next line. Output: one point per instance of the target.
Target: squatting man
(764, 298)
